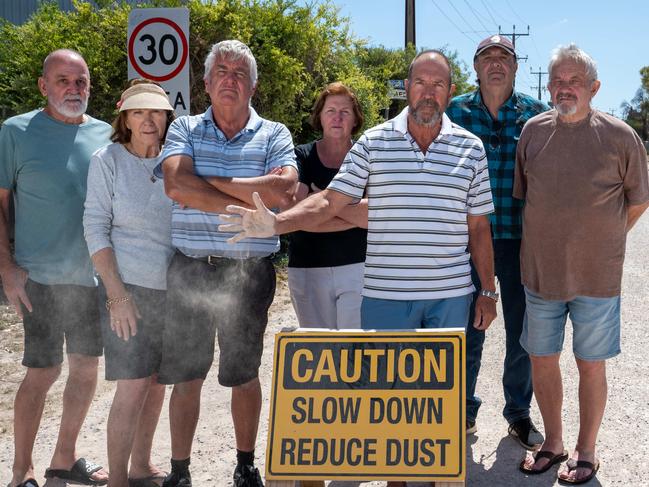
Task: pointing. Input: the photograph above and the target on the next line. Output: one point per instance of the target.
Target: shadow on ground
(500, 468)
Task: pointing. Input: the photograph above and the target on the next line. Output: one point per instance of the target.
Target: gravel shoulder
(492, 457)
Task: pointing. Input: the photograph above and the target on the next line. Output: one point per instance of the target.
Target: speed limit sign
(158, 49)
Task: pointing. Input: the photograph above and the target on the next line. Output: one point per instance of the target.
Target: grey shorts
(61, 312)
(231, 296)
(138, 357)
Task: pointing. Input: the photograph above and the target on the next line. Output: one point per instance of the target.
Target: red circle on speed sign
(131, 52)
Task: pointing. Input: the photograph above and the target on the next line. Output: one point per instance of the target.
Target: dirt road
(492, 456)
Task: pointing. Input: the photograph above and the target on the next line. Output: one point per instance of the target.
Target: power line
(475, 14)
(451, 21)
(498, 14)
(528, 80)
(514, 11)
(540, 73)
(486, 7)
(538, 53)
(514, 35)
(460, 14)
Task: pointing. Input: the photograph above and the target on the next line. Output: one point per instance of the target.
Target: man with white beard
(44, 158)
(583, 176)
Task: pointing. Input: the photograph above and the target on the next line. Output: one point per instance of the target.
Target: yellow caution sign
(368, 406)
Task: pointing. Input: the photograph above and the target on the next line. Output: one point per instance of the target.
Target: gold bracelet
(122, 299)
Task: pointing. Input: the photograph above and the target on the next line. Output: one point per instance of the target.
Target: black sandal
(80, 473)
(28, 483)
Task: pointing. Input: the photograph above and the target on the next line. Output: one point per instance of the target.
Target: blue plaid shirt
(499, 138)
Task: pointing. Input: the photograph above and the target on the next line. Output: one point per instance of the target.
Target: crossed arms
(215, 193)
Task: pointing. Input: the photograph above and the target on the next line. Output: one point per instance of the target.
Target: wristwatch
(490, 294)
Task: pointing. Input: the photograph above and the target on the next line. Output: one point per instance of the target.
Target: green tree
(381, 64)
(636, 112)
(98, 34)
(299, 49)
(644, 74)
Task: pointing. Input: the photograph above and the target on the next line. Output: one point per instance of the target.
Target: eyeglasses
(494, 137)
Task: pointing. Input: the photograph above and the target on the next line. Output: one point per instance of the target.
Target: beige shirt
(577, 181)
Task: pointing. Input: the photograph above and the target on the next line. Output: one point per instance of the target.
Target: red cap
(495, 41)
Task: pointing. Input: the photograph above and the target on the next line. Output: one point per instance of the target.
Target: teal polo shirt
(45, 163)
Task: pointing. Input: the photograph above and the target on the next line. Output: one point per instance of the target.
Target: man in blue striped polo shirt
(210, 161)
(496, 113)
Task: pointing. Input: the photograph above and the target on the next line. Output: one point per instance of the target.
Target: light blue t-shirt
(45, 163)
(259, 147)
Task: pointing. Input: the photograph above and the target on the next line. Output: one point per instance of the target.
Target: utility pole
(539, 73)
(410, 23)
(514, 35)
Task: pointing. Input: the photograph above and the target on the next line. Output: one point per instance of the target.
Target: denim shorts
(595, 324)
(389, 314)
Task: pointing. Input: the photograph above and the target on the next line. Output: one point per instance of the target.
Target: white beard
(566, 110)
(65, 109)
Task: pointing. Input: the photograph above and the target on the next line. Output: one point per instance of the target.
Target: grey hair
(233, 50)
(575, 54)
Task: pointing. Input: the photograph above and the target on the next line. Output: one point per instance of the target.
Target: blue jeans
(517, 372)
(389, 314)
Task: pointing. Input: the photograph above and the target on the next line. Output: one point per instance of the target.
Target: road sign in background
(368, 406)
(158, 49)
(397, 89)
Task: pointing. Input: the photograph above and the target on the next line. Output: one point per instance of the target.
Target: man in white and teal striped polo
(429, 196)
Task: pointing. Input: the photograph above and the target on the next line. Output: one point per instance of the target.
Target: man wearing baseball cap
(496, 113)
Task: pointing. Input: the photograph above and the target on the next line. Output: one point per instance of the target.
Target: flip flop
(553, 457)
(80, 473)
(574, 465)
(147, 481)
(28, 483)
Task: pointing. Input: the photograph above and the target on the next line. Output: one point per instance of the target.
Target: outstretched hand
(258, 223)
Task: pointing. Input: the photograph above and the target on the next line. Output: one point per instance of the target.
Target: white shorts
(327, 297)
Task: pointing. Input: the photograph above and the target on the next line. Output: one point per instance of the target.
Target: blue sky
(615, 34)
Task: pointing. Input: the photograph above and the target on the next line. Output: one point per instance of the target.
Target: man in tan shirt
(583, 176)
